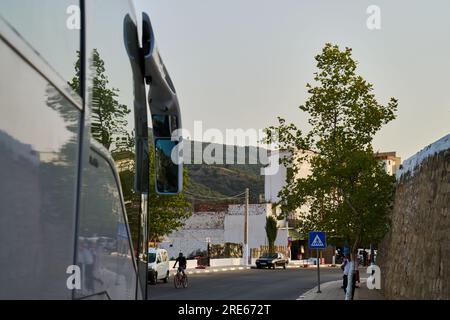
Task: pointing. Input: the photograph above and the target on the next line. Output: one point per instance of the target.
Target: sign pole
(318, 241)
(318, 272)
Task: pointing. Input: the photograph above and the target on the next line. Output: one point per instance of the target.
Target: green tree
(108, 120)
(348, 193)
(271, 232)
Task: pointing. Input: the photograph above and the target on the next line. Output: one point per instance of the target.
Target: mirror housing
(165, 114)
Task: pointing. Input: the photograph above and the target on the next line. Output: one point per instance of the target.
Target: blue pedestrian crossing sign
(317, 240)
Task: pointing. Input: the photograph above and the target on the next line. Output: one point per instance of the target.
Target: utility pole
(208, 242)
(246, 249)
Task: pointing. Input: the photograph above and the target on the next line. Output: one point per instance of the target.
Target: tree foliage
(348, 193)
(108, 118)
(108, 115)
(271, 232)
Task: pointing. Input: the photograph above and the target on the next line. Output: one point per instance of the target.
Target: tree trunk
(348, 294)
(271, 247)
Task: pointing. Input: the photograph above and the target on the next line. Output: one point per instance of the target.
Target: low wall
(226, 262)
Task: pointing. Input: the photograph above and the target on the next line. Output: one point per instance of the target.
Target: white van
(158, 265)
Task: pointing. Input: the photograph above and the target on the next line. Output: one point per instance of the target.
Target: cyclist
(181, 260)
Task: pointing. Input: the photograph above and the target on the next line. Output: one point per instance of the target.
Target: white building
(274, 183)
(200, 227)
(223, 226)
(234, 225)
(390, 161)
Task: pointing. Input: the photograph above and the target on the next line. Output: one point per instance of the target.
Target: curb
(313, 291)
(235, 268)
(324, 286)
(213, 270)
(310, 266)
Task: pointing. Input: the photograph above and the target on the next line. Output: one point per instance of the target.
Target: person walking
(352, 273)
(345, 268)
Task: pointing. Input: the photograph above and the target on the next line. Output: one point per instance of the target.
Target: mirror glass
(164, 125)
(167, 172)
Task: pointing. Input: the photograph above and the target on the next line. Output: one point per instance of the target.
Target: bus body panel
(38, 181)
(74, 150)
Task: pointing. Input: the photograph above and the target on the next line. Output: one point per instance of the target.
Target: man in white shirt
(351, 278)
(346, 268)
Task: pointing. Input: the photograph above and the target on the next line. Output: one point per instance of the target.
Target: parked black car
(272, 260)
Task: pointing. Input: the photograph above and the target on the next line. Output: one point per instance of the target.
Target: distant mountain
(211, 182)
(221, 180)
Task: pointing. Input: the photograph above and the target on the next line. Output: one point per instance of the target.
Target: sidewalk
(332, 291)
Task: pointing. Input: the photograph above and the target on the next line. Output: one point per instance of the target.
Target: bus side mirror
(166, 116)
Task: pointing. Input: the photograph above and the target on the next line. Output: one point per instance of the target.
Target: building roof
(387, 155)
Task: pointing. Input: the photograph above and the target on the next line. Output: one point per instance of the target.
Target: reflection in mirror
(164, 125)
(167, 172)
(161, 127)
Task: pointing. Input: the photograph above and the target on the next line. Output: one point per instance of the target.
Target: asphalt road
(253, 284)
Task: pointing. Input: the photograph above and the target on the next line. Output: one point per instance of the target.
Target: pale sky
(242, 63)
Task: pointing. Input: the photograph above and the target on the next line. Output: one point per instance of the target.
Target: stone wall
(225, 250)
(414, 257)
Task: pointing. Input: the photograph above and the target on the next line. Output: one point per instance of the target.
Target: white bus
(80, 84)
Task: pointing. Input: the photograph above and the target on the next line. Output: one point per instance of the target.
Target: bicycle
(180, 279)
